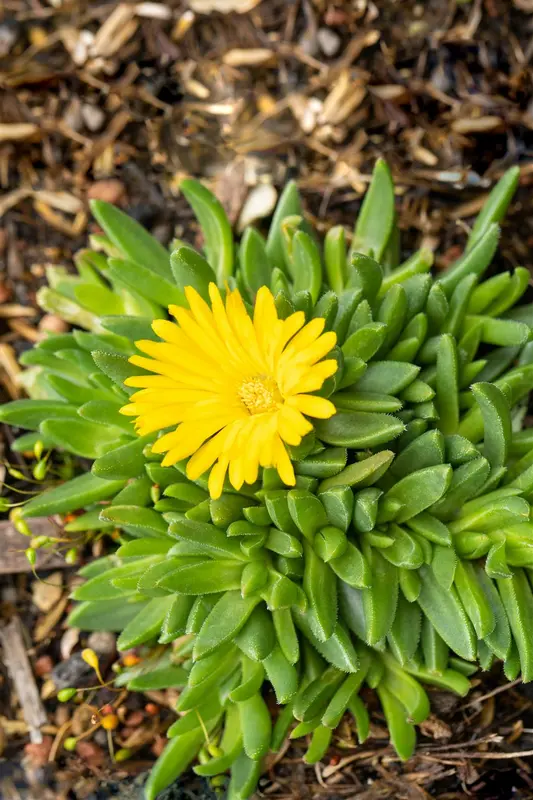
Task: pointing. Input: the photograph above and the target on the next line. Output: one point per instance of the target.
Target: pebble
(38, 752)
(91, 753)
(72, 115)
(329, 41)
(51, 323)
(93, 117)
(5, 292)
(9, 32)
(102, 642)
(259, 204)
(134, 719)
(111, 190)
(46, 594)
(43, 666)
(72, 672)
(158, 746)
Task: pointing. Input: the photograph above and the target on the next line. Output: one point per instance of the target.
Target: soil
(120, 101)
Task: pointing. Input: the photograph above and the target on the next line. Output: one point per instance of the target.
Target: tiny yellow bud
(214, 750)
(90, 658)
(71, 556)
(123, 754)
(39, 470)
(110, 722)
(16, 473)
(39, 541)
(64, 695)
(70, 743)
(38, 449)
(31, 555)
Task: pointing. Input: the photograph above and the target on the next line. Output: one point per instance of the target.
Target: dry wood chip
(58, 221)
(248, 58)
(153, 11)
(117, 29)
(63, 201)
(476, 124)
(183, 24)
(390, 91)
(11, 199)
(223, 6)
(11, 369)
(345, 96)
(10, 310)
(16, 659)
(45, 625)
(14, 131)
(25, 330)
(196, 88)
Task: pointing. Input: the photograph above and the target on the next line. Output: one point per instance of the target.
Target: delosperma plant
(315, 458)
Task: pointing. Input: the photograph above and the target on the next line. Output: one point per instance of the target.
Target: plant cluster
(355, 512)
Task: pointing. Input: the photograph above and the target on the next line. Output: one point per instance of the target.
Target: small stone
(110, 190)
(72, 116)
(51, 323)
(158, 746)
(9, 32)
(72, 672)
(329, 41)
(38, 753)
(134, 719)
(91, 753)
(93, 117)
(5, 291)
(335, 16)
(69, 640)
(259, 204)
(46, 594)
(102, 642)
(43, 666)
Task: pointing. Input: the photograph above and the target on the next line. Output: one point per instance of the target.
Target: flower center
(259, 394)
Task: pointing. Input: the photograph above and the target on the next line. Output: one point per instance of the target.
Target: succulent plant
(344, 495)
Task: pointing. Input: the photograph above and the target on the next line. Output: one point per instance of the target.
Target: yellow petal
(312, 405)
(206, 455)
(217, 477)
(236, 472)
(291, 420)
(283, 463)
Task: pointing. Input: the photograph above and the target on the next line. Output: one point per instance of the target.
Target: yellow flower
(237, 389)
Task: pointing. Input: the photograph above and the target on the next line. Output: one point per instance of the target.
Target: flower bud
(64, 695)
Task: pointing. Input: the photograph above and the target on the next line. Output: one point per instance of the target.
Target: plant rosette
(315, 458)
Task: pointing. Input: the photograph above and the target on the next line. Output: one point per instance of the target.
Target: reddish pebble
(38, 753)
(107, 709)
(451, 254)
(335, 16)
(5, 291)
(334, 760)
(151, 709)
(158, 746)
(43, 666)
(52, 324)
(111, 190)
(134, 719)
(91, 753)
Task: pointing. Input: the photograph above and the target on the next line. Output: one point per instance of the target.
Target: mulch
(120, 101)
